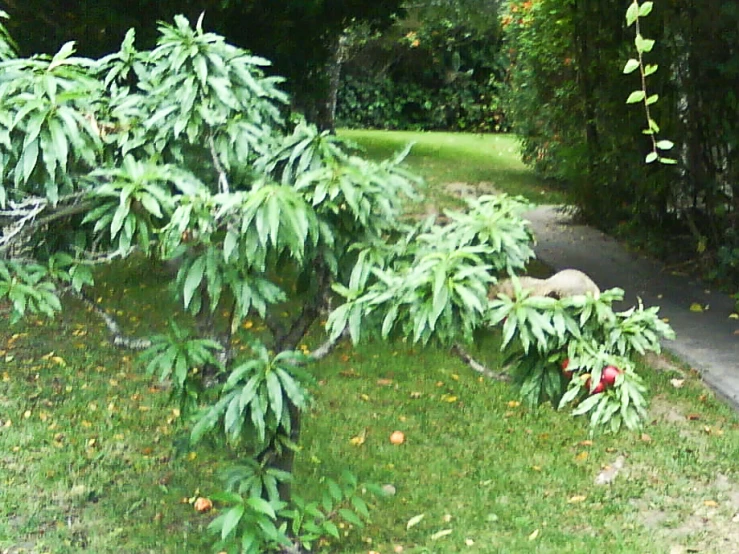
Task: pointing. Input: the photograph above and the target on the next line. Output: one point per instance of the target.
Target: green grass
(92, 456)
(460, 158)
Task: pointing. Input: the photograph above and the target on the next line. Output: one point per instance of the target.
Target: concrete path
(708, 341)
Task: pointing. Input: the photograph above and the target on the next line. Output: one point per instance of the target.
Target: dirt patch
(661, 362)
(662, 411)
(707, 523)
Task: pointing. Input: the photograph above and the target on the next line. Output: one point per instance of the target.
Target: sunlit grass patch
(444, 158)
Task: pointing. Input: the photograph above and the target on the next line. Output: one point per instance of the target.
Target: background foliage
(566, 101)
(298, 36)
(439, 67)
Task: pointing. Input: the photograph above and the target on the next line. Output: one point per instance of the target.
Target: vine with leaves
(644, 45)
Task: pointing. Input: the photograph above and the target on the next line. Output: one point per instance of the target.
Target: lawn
(94, 459)
(477, 160)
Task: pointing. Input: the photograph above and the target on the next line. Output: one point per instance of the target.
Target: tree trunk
(279, 456)
(326, 117)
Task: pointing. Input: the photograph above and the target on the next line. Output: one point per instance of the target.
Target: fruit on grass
(203, 504)
(397, 437)
(609, 374)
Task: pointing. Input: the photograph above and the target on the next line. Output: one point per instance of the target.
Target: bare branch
(25, 216)
(119, 339)
(477, 366)
(327, 347)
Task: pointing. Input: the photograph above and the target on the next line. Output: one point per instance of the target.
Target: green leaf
(632, 13)
(331, 529)
(645, 9)
(649, 69)
(150, 204)
(119, 218)
(231, 519)
(295, 392)
(569, 396)
(334, 490)
(350, 517)
(233, 419)
(230, 242)
(631, 66)
(59, 140)
(273, 209)
(194, 278)
(360, 506)
(652, 99)
(587, 405)
(636, 96)
(29, 157)
(651, 157)
(261, 506)
(665, 144)
(65, 52)
(274, 391)
(643, 44)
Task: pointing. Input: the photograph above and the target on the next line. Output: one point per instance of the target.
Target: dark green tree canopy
(298, 36)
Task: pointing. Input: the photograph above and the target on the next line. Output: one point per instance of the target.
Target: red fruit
(609, 374)
(565, 363)
(600, 387)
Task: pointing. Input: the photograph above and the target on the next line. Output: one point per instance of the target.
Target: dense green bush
(440, 68)
(567, 101)
(381, 103)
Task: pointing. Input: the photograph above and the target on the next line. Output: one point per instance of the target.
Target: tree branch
(26, 215)
(310, 312)
(222, 178)
(119, 339)
(477, 366)
(327, 347)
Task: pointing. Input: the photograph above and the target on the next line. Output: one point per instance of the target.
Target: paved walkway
(708, 340)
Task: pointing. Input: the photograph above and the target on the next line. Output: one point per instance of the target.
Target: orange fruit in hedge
(203, 504)
(397, 437)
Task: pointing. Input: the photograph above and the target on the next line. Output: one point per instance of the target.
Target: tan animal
(568, 282)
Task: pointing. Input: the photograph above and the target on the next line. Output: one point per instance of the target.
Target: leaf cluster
(540, 333)
(434, 284)
(251, 525)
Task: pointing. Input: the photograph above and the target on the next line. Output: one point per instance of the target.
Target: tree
(180, 153)
(300, 37)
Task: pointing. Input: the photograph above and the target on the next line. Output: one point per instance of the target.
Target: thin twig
(477, 366)
(222, 179)
(119, 339)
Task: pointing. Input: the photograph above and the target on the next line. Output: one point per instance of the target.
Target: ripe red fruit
(609, 374)
(565, 363)
(600, 387)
